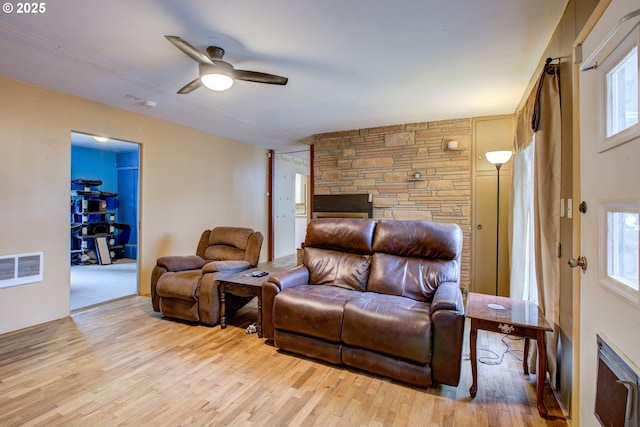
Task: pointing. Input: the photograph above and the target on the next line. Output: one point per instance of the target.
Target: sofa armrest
(278, 281)
(296, 276)
(447, 317)
(180, 262)
(227, 266)
(448, 296)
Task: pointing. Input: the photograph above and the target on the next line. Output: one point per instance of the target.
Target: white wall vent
(21, 269)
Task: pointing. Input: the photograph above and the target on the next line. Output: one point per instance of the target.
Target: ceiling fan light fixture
(217, 82)
(216, 76)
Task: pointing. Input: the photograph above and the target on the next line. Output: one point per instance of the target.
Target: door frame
(577, 63)
(138, 145)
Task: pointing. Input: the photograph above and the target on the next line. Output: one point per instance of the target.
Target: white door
(285, 216)
(610, 185)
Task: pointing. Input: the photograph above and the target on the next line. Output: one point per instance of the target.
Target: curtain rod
(550, 68)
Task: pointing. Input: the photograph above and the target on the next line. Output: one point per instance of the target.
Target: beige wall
(189, 181)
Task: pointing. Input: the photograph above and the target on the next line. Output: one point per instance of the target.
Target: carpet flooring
(96, 284)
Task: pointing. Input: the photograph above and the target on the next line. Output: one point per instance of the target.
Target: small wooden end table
(243, 284)
(512, 317)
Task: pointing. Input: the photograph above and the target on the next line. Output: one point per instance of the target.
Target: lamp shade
(498, 157)
(216, 77)
(217, 82)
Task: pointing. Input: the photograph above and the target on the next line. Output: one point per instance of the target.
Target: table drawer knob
(506, 329)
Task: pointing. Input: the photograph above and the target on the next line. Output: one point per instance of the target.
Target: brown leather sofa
(186, 287)
(381, 296)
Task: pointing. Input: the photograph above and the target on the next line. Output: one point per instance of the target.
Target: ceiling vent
(21, 269)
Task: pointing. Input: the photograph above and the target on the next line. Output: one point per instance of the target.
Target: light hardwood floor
(121, 364)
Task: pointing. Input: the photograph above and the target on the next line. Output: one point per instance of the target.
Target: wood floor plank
(121, 364)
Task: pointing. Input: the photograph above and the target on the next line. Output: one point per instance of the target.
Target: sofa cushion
(181, 285)
(345, 270)
(227, 243)
(389, 324)
(230, 236)
(418, 239)
(414, 278)
(413, 257)
(341, 234)
(224, 253)
(311, 310)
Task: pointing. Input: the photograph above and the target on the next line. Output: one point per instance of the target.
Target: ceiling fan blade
(189, 50)
(254, 76)
(191, 86)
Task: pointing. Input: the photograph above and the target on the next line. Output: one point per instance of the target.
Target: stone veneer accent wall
(382, 161)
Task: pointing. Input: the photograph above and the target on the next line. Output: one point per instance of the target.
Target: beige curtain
(541, 115)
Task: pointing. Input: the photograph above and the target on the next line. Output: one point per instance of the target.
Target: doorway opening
(302, 208)
(103, 220)
(291, 208)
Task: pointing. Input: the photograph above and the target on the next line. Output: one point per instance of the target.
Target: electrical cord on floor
(495, 358)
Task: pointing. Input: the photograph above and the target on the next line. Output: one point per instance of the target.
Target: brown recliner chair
(186, 287)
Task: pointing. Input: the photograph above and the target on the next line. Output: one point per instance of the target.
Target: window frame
(622, 50)
(618, 287)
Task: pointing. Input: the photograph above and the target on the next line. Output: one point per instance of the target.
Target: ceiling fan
(216, 74)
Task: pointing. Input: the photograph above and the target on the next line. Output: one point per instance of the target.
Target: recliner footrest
(181, 285)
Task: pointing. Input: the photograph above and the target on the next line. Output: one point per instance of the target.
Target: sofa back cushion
(342, 269)
(227, 243)
(341, 234)
(413, 257)
(337, 252)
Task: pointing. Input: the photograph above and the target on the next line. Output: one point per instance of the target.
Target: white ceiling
(351, 63)
(84, 140)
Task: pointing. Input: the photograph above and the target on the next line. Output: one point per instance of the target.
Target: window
(622, 244)
(619, 93)
(622, 94)
(620, 248)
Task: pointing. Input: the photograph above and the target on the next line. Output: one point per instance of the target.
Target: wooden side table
(241, 284)
(244, 285)
(513, 317)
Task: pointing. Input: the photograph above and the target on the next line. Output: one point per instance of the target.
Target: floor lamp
(498, 158)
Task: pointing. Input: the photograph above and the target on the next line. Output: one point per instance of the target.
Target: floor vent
(617, 396)
(20, 269)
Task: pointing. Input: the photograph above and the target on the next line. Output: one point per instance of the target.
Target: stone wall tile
(399, 139)
(376, 162)
(381, 161)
